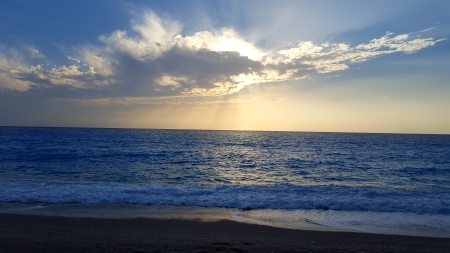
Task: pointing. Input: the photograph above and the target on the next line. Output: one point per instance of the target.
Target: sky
(322, 66)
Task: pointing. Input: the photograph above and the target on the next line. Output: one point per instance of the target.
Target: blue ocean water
(233, 169)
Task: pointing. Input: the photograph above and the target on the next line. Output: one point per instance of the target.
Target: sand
(34, 233)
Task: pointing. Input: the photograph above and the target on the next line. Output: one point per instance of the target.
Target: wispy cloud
(130, 101)
(73, 59)
(154, 59)
(34, 53)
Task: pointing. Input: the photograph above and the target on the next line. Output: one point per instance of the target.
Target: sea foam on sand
(395, 223)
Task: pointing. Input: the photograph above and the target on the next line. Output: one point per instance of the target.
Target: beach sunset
(224, 126)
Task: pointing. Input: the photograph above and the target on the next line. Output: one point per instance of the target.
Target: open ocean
(359, 178)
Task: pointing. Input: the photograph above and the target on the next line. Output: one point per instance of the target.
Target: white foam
(431, 225)
(281, 219)
(368, 222)
(253, 197)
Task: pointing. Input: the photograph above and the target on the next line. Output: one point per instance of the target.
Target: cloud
(12, 61)
(10, 83)
(34, 53)
(154, 59)
(130, 101)
(307, 57)
(73, 59)
(73, 76)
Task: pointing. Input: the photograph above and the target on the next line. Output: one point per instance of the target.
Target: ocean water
(347, 181)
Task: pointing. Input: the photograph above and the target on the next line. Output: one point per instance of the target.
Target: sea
(374, 183)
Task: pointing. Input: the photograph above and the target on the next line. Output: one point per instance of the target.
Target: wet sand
(32, 233)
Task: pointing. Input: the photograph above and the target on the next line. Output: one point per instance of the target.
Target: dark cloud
(194, 68)
(206, 63)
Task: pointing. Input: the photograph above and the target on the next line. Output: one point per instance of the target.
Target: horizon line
(237, 130)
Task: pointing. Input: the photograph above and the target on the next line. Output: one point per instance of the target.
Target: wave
(243, 197)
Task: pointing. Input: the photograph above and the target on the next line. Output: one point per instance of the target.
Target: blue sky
(347, 66)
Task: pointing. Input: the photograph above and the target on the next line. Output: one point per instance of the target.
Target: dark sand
(26, 233)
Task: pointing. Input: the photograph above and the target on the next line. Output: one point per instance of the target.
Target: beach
(35, 233)
(138, 190)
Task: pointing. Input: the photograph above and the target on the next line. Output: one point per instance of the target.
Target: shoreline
(36, 233)
(406, 224)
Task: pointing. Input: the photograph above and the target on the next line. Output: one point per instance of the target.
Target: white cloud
(399, 43)
(34, 52)
(73, 59)
(308, 57)
(96, 58)
(224, 40)
(10, 83)
(12, 61)
(153, 37)
(155, 59)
